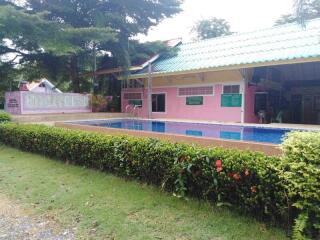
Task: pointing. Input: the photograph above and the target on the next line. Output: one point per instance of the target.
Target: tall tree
(211, 28)
(27, 38)
(126, 17)
(304, 10)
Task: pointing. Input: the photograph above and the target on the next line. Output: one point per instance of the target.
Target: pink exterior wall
(39, 103)
(40, 90)
(13, 102)
(250, 116)
(176, 107)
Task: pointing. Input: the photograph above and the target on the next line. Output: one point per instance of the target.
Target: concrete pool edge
(268, 149)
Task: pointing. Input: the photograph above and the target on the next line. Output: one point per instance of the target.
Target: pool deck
(50, 119)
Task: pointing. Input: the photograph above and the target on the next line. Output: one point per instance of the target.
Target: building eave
(224, 68)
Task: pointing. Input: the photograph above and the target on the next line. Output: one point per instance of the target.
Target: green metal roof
(281, 43)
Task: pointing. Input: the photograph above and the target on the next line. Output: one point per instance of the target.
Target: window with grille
(231, 89)
(133, 83)
(133, 96)
(231, 96)
(196, 91)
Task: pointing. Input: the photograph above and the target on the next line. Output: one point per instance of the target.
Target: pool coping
(267, 148)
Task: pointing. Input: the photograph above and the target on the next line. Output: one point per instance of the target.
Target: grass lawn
(103, 206)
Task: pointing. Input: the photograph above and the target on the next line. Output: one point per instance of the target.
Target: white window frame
(196, 95)
(233, 84)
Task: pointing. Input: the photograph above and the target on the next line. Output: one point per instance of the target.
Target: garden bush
(99, 103)
(255, 183)
(301, 177)
(4, 117)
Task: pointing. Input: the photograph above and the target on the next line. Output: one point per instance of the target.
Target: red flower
(254, 189)
(247, 172)
(236, 176)
(230, 175)
(219, 169)
(219, 166)
(218, 163)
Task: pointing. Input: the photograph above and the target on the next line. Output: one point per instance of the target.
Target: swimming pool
(229, 132)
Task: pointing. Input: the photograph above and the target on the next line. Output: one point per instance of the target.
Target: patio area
(50, 119)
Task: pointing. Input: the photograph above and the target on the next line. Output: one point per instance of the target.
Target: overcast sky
(243, 16)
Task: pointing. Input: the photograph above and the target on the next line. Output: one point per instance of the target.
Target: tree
(126, 17)
(211, 28)
(307, 9)
(141, 52)
(26, 34)
(27, 38)
(304, 10)
(57, 38)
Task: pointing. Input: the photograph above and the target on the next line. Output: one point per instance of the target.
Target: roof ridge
(250, 32)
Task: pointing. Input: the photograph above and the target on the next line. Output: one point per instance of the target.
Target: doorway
(159, 103)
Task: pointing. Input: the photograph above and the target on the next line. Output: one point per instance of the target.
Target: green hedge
(4, 117)
(250, 181)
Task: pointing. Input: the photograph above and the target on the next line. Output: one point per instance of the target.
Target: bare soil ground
(17, 224)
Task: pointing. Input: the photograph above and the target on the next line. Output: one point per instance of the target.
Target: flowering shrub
(4, 117)
(250, 181)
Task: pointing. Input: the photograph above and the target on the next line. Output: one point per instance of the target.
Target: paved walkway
(17, 224)
(56, 117)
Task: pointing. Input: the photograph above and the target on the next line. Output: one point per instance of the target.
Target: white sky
(243, 16)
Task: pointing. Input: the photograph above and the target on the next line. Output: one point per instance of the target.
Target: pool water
(231, 132)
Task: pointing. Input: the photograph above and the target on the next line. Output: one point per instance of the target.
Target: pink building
(213, 98)
(271, 75)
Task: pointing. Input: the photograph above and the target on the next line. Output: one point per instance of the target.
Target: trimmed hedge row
(250, 181)
(4, 117)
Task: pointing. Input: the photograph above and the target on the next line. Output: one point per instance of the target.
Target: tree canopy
(58, 38)
(304, 10)
(211, 28)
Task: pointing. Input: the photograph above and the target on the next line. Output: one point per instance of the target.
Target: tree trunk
(74, 74)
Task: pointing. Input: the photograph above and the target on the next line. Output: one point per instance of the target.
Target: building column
(244, 94)
(243, 109)
(149, 94)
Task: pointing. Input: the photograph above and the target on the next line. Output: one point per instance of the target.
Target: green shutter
(135, 102)
(231, 100)
(195, 100)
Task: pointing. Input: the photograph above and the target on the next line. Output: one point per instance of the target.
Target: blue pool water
(231, 132)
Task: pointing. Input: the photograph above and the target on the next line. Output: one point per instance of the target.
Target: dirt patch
(16, 224)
